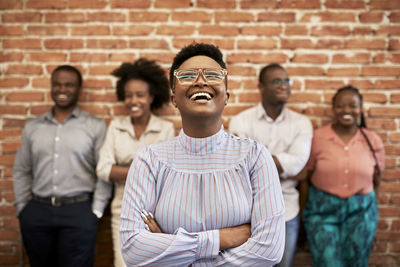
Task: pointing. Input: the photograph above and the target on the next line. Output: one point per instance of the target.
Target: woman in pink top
(341, 214)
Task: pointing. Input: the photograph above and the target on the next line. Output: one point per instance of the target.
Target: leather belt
(59, 201)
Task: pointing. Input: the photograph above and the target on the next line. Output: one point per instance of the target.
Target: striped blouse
(195, 186)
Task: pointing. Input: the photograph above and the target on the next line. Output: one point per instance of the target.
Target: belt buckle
(54, 202)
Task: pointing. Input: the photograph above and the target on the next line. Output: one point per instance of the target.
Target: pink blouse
(344, 169)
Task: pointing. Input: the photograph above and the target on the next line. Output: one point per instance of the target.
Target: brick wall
(324, 44)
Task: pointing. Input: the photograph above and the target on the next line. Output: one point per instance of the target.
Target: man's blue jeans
(292, 231)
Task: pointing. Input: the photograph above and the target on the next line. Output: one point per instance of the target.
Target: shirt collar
(125, 124)
(262, 114)
(201, 146)
(330, 134)
(75, 113)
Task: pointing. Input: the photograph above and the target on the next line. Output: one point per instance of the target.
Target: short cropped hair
(148, 71)
(70, 69)
(267, 68)
(192, 50)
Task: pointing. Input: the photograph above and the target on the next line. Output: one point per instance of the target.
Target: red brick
(375, 98)
(122, 57)
(384, 4)
(234, 17)
(395, 98)
(130, 4)
(9, 259)
(24, 96)
(387, 58)
(394, 45)
(10, 4)
(394, 17)
(10, 133)
(6, 249)
(24, 69)
(95, 109)
(384, 112)
(7, 172)
(391, 174)
(221, 43)
(388, 30)
(257, 44)
(40, 4)
(351, 58)
(310, 58)
(330, 44)
(233, 110)
(11, 223)
(13, 82)
(305, 71)
(387, 84)
(119, 110)
(134, 30)
(97, 83)
(364, 31)
(10, 148)
(12, 123)
(148, 16)
(96, 30)
(149, 44)
(343, 72)
(40, 109)
(395, 199)
(101, 69)
(240, 70)
(226, 4)
(380, 71)
(291, 30)
(330, 31)
(106, 44)
(106, 17)
(303, 97)
(375, 44)
(88, 57)
(248, 84)
(258, 4)
(6, 185)
(175, 30)
(22, 43)
(317, 111)
(328, 17)
(22, 17)
(296, 43)
(248, 97)
(370, 17)
(348, 4)
(362, 84)
(276, 17)
(381, 124)
(300, 4)
(218, 30)
(94, 97)
(261, 30)
(11, 56)
(11, 30)
(198, 16)
(70, 17)
(172, 4)
(390, 212)
(257, 58)
(42, 82)
(159, 57)
(392, 150)
(323, 85)
(7, 160)
(47, 30)
(63, 44)
(92, 4)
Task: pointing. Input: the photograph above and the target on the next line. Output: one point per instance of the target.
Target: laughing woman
(216, 198)
(143, 87)
(341, 214)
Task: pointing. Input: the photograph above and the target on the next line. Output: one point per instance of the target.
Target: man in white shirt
(287, 135)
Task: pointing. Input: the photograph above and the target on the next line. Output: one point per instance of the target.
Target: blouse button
(345, 185)
(346, 171)
(346, 148)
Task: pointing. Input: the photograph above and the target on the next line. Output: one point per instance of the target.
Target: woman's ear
(173, 99)
(227, 98)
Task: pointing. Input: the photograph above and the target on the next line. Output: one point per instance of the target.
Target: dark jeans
(59, 236)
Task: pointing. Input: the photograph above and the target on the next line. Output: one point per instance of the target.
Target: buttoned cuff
(97, 213)
(208, 244)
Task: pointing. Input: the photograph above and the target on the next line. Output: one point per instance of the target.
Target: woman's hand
(234, 236)
(151, 224)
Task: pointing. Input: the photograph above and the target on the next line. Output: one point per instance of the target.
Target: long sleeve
(266, 244)
(103, 189)
(295, 157)
(22, 173)
(143, 248)
(106, 156)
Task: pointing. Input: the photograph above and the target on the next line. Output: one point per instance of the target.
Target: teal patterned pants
(340, 231)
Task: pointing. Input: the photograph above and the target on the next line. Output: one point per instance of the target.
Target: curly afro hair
(192, 50)
(148, 71)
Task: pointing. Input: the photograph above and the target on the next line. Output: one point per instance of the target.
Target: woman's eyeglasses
(189, 76)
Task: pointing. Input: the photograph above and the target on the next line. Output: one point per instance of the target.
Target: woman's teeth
(134, 109)
(201, 96)
(62, 97)
(347, 117)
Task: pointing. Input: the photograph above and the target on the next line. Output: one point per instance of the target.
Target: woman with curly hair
(143, 87)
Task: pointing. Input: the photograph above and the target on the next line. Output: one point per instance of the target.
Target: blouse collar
(201, 146)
